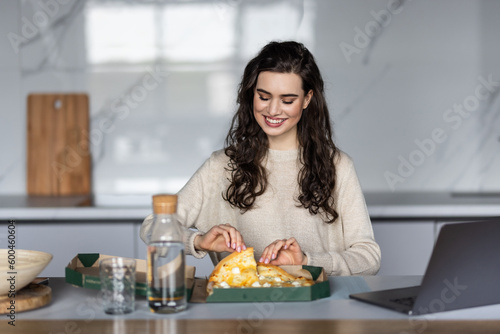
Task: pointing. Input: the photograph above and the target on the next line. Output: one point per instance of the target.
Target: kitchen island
(79, 310)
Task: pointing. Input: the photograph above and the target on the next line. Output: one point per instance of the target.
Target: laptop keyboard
(407, 301)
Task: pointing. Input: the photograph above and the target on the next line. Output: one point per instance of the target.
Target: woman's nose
(274, 108)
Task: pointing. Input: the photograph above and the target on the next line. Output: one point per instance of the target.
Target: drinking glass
(117, 285)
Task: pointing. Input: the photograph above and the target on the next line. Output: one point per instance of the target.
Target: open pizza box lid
(83, 271)
(320, 289)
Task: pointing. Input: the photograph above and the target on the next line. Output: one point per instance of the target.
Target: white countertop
(71, 208)
(71, 302)
(381, 206)
(432, 205)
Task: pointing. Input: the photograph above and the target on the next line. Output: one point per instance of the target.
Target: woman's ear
(307, 98)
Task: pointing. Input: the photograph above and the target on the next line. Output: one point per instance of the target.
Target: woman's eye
(263, 98)
(287, 102)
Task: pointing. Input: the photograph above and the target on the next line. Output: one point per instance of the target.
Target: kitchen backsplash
(412, 86)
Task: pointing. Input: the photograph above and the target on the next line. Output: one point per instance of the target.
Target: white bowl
(26, 265)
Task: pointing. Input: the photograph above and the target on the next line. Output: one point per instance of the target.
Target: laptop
(463, 271)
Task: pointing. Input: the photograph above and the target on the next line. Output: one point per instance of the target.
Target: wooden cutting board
(58, 155)
(28, 298)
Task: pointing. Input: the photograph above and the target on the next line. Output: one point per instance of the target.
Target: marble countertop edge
(380, 205)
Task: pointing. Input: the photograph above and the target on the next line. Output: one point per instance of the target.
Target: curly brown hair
(246, 143)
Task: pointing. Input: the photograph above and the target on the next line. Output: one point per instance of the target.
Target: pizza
(240, 270)
(270, 275)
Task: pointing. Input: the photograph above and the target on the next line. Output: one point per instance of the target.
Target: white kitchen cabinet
(406, 246)
(65, 240)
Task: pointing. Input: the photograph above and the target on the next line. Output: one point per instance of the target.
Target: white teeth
(274, 121)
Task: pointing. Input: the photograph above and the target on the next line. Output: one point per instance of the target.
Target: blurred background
(412, 86)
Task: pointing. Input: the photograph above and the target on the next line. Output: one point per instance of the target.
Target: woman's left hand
(282, 252)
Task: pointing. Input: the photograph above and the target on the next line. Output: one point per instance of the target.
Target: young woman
(280, 185)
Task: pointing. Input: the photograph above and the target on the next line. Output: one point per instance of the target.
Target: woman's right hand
(220, 238)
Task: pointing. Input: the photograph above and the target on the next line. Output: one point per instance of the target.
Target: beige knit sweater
(345, 247)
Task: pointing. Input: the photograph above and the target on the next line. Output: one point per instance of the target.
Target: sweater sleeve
(361, 254)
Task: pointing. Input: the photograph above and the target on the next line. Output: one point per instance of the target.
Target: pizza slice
(240, 270)
(269, 270)
(276, 276)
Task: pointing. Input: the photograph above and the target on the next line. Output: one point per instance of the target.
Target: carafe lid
(164, 203)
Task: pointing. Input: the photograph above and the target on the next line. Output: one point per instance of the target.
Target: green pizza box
(320, 289)
(83, 271)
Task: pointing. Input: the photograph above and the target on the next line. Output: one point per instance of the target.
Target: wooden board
(58, 155)
(31, 297)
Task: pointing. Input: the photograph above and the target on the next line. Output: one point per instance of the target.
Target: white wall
(396, 90)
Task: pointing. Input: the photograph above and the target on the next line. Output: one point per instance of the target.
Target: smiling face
(277, 107)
